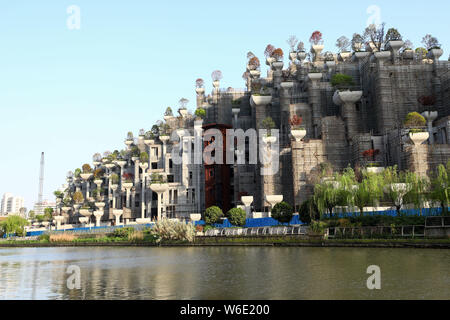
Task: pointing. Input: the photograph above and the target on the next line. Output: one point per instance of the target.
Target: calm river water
(223, 273)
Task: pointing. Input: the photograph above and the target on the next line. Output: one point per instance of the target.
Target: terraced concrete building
(339, 124)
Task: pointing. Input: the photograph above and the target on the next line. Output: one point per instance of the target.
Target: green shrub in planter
(213, 215)
(236, 217)
(282, 212)
(414, 119)
(343, 81)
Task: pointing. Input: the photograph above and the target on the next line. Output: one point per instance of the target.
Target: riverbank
(235, 241)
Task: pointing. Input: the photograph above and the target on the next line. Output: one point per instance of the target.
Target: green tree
(326, 196)
(144, 157)
(236, 216)
(282, 212)
(395, 186)
(200, 112)
(367, 191)
(31, 215)
(308, 211)
(440, 187)
(14, 224)
(213, 215)
(418, 190)
(48, 214)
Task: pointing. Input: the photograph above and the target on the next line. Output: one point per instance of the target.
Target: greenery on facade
(282, 212)
(236, 216)
(213, 215)
(414, 120)
(200, 112)
(362, 189)
(14, 225)
(342, 81)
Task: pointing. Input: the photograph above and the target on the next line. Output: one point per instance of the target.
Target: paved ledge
(431, 244)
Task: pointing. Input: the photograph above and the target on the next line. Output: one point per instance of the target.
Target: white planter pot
(255, 74)
(98, 182)
(159, 187)
(195, 216)
(408, 54)
(298, 134)
(200, 91)
(129, 142)
(315, 76)
(168, 118)
(287, 85)
(345, 56)
(317, 49)
(261, 100)
(274, 199)
(216, 84)
(270, 139)
(419, 137)
(86, 176)
(128, 185)
(382, 55)
(100, 205)
(349, 96)
(247, 200)
(143, 221)
(85, 212)
(149, 142)
(270, 60)
(395, 45)
(361, 55)
(435, 54)
(292, 56)
(430, 115)
(301, 56)
(375, 169)
(277, 65)
(235, 110)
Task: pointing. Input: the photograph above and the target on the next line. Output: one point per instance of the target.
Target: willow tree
(417, 194)
(345, 187)
(367, 191)
(440, 187)
(326, 196)
(396, 186)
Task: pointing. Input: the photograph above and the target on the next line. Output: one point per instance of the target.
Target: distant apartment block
(11, 203)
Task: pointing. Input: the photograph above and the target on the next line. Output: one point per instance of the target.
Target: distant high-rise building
(11, 204)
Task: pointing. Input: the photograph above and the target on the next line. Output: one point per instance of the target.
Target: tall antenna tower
(41, 180)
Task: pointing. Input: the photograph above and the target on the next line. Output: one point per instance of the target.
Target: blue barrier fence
(426, 212)
(254, 222)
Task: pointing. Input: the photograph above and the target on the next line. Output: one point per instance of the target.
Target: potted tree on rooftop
(216, 77)
(199, 86)
(168, 114)
(277, 54)
(317, 46)
(415, 122)
(292, 42)
(268, 124)
(433, 46)
(260, 94)
(268, 54)
(301, 54)
(298, 131)
(343, 44)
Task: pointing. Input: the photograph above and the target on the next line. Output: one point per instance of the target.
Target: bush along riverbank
(169, 233)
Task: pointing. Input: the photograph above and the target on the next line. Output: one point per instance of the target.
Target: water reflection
(223, 273)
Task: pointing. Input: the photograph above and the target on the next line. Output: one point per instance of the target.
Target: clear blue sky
(71, 93)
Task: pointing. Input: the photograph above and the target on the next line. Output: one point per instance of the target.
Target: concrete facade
(340, 125)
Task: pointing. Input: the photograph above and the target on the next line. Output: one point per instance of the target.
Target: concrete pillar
(430, 116)
(247, 201)
(98, 216)
(277, 68)
(314, 100)
(347, 101)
